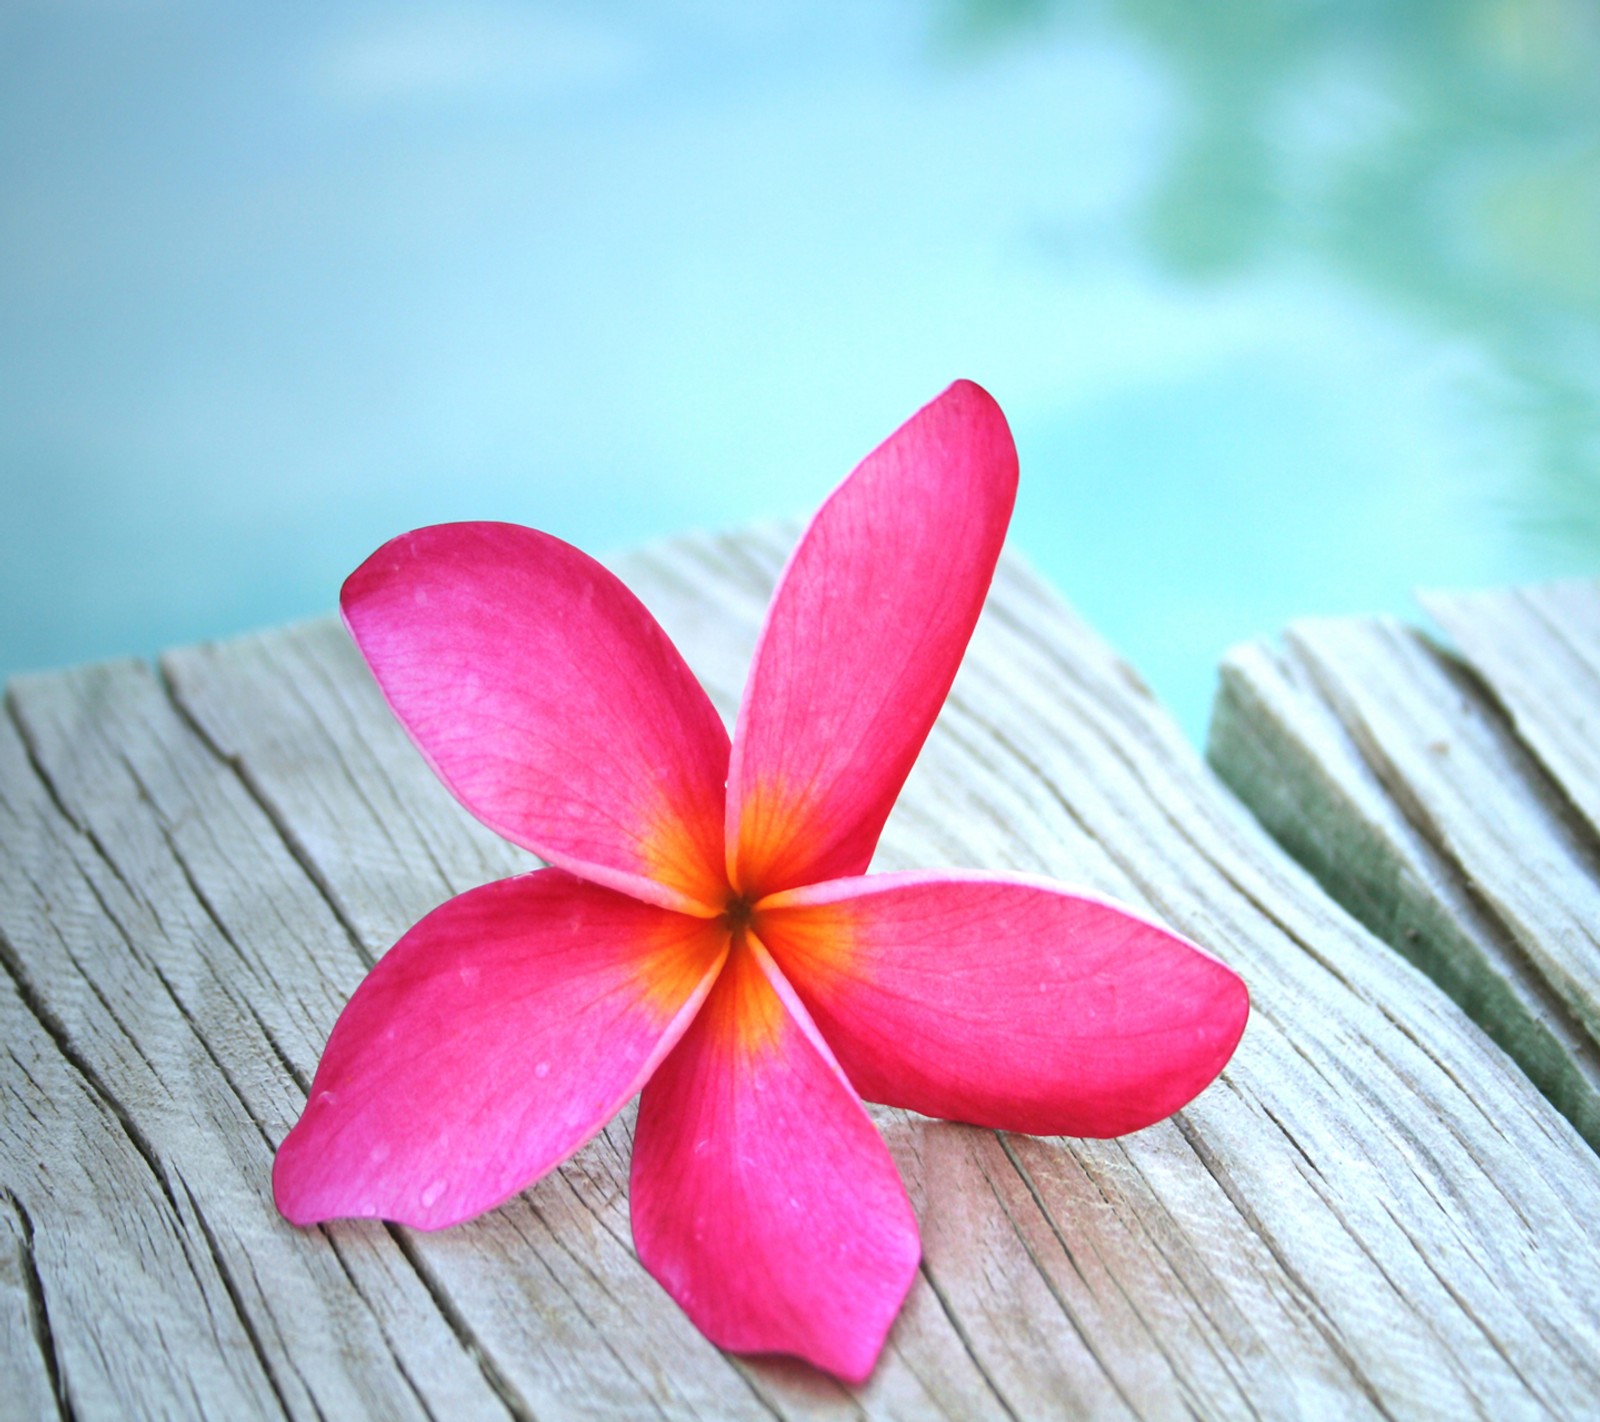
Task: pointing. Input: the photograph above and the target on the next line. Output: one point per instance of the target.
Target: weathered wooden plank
(1302, 1310)
(27, 1351)
(1178, 1319)
(116, 953)
(1378, 1197)
(1538, 649)
(247, 954)
(386, 843)
(1382, 767)
(112, 1261)
(1371, 1213)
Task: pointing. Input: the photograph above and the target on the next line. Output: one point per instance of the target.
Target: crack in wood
(583, 1313)
(1077, 1325)
(960, 1330)
(1322, 739)
(1419, 817)
(135, 1136)
(1223, 1356)
(1466, 1308)
(1227, 1357)
(395, 1354)
(58, 802)
(242, 1313)
(1565, 825)
(1314, 1311)
(285, 832)
(502, 1386)
(38, 1305)
(61, 1039)
(1491, 702)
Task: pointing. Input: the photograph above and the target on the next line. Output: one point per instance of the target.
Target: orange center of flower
(772, 825)
(743, 1002)
(681, 852)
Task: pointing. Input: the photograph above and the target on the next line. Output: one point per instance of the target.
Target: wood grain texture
(1385, 768)
(27, 1349)
(1371, 1213)
(1538, 649)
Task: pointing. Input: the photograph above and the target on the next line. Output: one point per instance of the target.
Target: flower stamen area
(736, 915)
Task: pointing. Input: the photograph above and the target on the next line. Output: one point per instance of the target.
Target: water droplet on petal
(542, 1070)
(432, 1193)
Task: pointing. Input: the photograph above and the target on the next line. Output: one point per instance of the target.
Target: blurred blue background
(1293, 304)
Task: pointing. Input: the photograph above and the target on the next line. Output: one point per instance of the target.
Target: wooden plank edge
(1299, 774)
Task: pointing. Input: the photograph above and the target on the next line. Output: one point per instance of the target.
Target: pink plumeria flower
(706, 934)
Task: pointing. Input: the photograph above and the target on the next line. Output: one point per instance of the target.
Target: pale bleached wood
(1538, 648)
(386, 843)
(27, 1350)
(1382, 765)
(1043, 1363)
(259, 961)
(1151, 1334)
(1459, 771)
(117, 1268)
(1371, 1213)
(1363, 1168)
(118, 954)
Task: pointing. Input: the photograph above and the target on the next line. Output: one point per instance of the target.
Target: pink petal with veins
(487, 1045)
(862, 641)
(763, 1199)
(551, 703)
(1005, 1001)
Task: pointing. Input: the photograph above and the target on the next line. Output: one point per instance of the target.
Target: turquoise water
(1293, 306)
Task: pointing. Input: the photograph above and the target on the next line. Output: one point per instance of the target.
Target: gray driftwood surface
(1441, 801)
(1372, 1213)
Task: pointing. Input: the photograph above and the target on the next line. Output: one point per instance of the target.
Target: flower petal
(551, 704)
(487, 1045)
(763, 1198)
(1006, 1001)
(866, 630)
